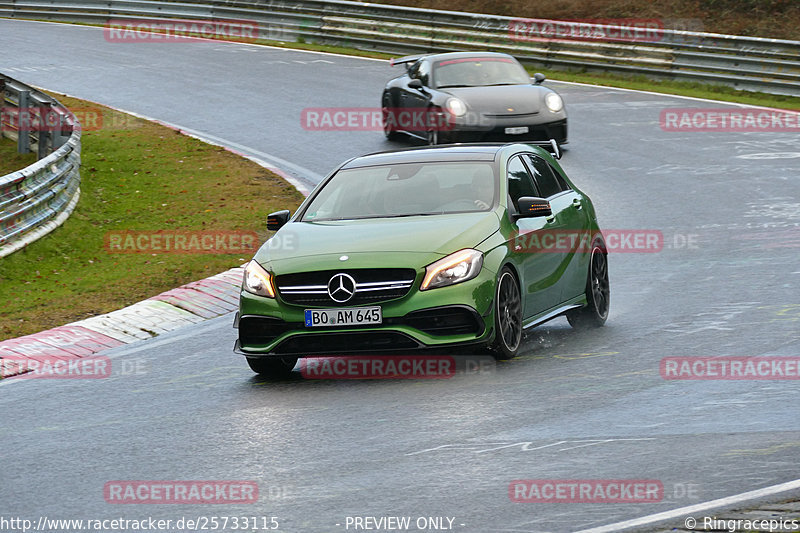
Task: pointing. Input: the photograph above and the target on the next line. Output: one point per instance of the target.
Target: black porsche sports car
(469, 97)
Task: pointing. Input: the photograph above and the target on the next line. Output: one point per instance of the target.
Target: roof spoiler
(405, 60)
(551, 146)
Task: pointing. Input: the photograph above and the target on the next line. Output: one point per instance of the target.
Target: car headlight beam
(456, 106)
(257, 280)
(554, 102)
(455, 268)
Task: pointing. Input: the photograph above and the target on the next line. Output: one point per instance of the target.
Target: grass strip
(10, 160)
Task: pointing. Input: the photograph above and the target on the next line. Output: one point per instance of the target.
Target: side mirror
(538, 78)
(276, 220)
(416, 83)
(531, 206)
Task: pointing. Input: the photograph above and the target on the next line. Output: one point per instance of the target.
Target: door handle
(550, 218)
(576, 203)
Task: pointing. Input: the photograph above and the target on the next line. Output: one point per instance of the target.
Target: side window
(545, 177)
(424, 72)
(519, 181)
(560, 178)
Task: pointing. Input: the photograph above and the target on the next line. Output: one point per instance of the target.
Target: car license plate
(351, 316)
(517, 131)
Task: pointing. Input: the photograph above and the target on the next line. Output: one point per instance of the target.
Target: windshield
(478, 71)
(405, 190)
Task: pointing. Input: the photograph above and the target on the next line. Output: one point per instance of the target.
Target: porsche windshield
(406, 189)
(478, 71)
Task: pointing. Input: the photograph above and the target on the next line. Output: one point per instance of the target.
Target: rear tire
(507, 317)
(272, 367)
(598, 293)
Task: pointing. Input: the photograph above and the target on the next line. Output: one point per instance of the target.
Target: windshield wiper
(454, 86)
(365, 217)
(410, 215)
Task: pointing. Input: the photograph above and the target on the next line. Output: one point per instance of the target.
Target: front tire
(432, 136)
(389, 119)
(598, 293)
(272, 367)
(507, 317)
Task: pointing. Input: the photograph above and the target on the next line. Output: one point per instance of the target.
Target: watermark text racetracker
(181, 492)
(179, 30)
(194, 523)
(730, 368)
(379, 119)
(183, 242)
(731, 119)
(610, 29)
(616, 241)
(586, 491)
(395, 366)
(50, 367)
(48, 119)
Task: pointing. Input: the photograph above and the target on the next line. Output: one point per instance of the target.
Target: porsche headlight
(257, 280)
(553, 102)
(456, 106)
(455, 268)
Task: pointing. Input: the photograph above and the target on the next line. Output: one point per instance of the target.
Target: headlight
(554, 102)
(455, 268)
(257, 280)
(456, 106)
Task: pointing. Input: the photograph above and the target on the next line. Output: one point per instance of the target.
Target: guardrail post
(58, 133)
(2, 107)
(23, 123)
(46, 126)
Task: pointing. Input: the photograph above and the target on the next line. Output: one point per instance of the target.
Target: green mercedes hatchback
(455, 248)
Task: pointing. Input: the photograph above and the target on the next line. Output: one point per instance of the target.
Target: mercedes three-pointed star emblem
(341, 287)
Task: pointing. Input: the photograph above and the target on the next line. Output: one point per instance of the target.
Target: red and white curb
(188, 304)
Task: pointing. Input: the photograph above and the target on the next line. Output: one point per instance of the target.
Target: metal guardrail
(749, 63)
(38, 198)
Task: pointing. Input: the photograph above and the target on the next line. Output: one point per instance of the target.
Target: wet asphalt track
(575, 405)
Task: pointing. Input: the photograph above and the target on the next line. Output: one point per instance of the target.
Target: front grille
(511, 115)
(372, 286)
(346, 343)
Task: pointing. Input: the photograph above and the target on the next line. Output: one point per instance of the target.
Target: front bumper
(495, 130)
(447, 318)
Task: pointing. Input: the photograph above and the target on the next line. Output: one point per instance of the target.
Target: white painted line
(697, 508)
(654, 93)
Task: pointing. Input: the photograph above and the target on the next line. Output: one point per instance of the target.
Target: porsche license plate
(517, 131)
(351, 316)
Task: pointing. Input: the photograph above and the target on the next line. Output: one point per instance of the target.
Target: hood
(415, 241)
(523, 99)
